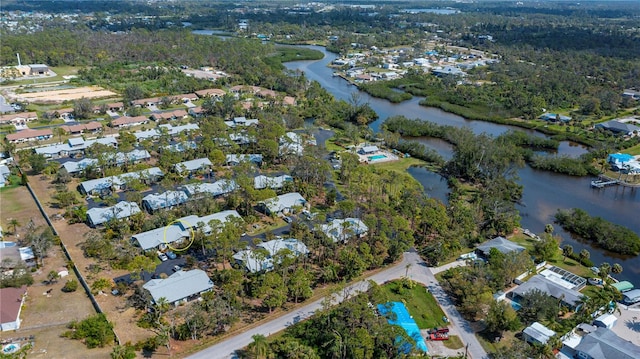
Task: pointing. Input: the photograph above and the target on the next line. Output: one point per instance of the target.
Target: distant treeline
(612, 237)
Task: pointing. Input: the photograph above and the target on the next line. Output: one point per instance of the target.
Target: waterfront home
(568, 297)
(554, 117)
(448, 71)
(620, 128)
(501, 244)
(179, 287)
(368, 150)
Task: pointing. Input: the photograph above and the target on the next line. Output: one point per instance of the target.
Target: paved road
(417, 270)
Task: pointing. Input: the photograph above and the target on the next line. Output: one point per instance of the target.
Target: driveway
(417, 270)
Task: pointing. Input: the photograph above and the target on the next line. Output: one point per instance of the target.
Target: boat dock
(603, 183)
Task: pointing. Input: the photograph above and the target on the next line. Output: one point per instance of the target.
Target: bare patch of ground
(47, 310)
(59, 96)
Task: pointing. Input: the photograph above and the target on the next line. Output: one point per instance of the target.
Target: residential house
(569, 297)
(289, 101)
(11, 307)
(241, 122)
(18, 119)
(291, 144)
(29, 135)
(76, 167)
(147, 102)
(208, 93)
(448, 71)
(276, 182)
(340, 230)
(196, 111)
(179, 287)
(537, 333)
(631, 297)
(189, 167)
(170, 115)
(554, 117)
(63, 113)
(501, 244)
(115, 106)
(241, 139)
(238, 89)
(218, 188)
(603, 343)
(121, 210)
(180, 230)
(74, 146)
(266, 94)
(5, 173)
(169, 199)
(11, 255)
(368, 150)
(620, 128)
(126, 121)
(236, 159)
(90, 127)
(263, 259)
(181, 146)
(283, 204)
(172, 131)
(606, 320)
(631, 93)
(107, 184)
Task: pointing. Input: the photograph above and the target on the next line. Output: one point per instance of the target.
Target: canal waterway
(544, 192)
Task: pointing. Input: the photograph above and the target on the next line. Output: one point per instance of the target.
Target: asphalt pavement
(411, 264)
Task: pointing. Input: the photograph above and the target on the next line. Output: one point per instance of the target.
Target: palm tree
(567, 251)
(406, 269)
(259, 348)
(617, 268)
(13, 223)
(605, 269)
(584, 255)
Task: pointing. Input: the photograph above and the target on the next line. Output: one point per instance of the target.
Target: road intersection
(411, 265)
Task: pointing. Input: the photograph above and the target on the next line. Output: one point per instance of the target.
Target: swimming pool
(406, 322)
(377, 157)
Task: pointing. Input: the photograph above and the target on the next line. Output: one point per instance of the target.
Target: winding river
(544, 192)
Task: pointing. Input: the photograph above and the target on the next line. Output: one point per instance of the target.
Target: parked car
(288, 219)
(163, 257)
(171, 255)
(177, 268)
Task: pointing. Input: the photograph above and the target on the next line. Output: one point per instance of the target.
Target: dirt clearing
(59, 96)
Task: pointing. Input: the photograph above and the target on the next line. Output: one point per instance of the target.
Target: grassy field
(558, 261)
(421, 305)
(400, 165)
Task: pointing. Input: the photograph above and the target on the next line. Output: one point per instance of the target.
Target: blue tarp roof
(405, 321)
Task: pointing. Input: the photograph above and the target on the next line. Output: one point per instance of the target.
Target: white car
(163, 257)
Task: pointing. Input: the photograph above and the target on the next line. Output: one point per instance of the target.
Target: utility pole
(466, 351)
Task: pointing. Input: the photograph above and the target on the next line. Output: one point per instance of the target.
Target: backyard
(421, 304)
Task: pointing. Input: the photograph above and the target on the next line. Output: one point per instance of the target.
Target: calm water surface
(544, 192)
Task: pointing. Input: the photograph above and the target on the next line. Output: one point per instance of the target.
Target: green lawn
(421, 305)
(454, 342)
(400, 165)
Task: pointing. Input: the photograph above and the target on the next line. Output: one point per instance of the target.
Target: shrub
(96, 331)
(70, 286)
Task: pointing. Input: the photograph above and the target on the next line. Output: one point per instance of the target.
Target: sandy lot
(46, 316)
(58, 96)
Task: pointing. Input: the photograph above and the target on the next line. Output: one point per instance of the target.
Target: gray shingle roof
(99, 215)
(193, 165)
(500, 243)
(180, 285)
(605, 344)
(284, 202)
(556, 291)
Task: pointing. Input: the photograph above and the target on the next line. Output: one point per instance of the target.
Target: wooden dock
(603, 183)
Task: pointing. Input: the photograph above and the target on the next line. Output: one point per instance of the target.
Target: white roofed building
(100, 215)
(340, 230)
(179, 287)
(284, 203)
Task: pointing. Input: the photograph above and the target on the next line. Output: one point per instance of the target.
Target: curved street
(417, 270)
